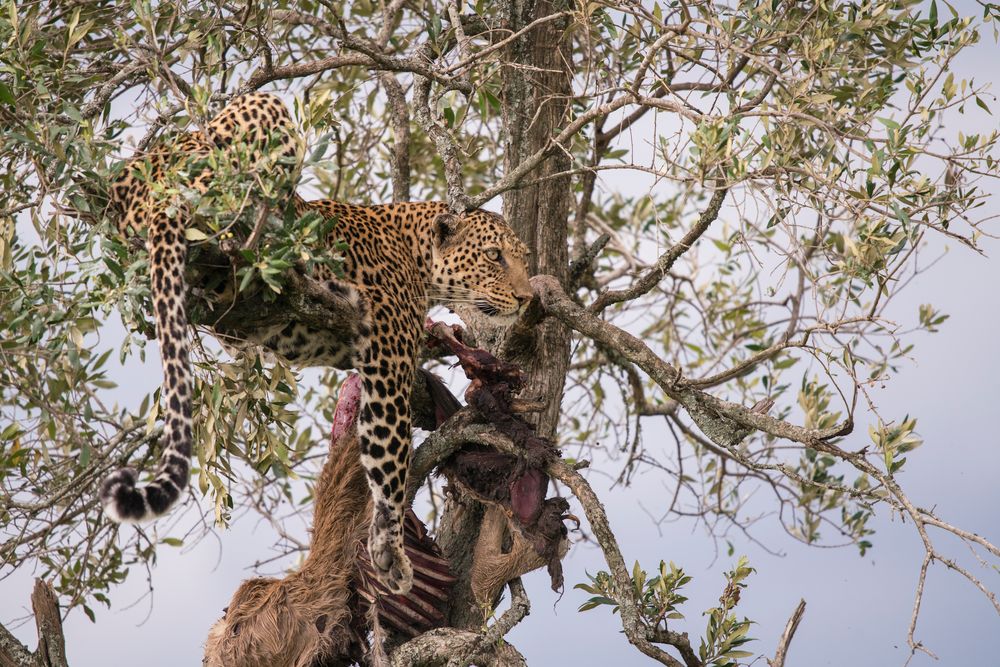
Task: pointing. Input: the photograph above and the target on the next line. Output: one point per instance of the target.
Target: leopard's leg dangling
(384, 432)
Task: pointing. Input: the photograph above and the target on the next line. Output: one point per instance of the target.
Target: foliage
(659, 598)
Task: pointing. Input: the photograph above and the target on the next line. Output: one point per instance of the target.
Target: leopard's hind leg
(260, 122)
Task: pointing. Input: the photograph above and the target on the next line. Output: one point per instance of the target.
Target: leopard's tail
(260, 122)
(124, 501)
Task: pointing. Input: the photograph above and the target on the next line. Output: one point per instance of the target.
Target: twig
(666, 260)
(915, 645)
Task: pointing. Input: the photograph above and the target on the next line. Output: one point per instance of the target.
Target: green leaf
(778, 216)
(739, 654)
(321, 147)
(6, 96)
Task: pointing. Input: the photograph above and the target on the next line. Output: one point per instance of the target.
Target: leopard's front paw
(391, 564)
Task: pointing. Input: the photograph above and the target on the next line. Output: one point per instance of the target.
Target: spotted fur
(400, 259)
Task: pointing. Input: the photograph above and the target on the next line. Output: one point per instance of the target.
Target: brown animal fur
(492, 566)
(317, 614)
(303, 618)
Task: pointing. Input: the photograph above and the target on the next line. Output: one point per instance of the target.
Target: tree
(794, 163)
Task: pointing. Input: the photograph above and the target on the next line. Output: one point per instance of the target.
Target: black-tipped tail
(124, 502)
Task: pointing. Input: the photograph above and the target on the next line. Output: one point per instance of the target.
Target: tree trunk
(535, 102)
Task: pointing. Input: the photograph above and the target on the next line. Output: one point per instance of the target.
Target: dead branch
(788, 634)
(51, 651)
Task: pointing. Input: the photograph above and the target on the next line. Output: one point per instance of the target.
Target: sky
(858, 608)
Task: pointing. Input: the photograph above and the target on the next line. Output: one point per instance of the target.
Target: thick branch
(302, 299)
(12, 652)
(437, 647)
(520, 606)
(680, 641)
(399, 160)
(445, 144)
(724, 423)
(438, 447)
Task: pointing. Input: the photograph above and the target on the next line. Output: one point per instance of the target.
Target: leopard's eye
(493, 254)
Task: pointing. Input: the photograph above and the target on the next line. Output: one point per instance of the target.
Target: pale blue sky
(858, 608)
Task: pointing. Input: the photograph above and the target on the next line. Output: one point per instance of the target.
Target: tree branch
(399, 159)
(268, 73)
(520, 606)
(445, 144)
(437, 647)
(12, 652)
(724, 423)
(302, 299)
(666, 260)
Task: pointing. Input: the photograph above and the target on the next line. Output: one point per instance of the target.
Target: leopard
(399, 260)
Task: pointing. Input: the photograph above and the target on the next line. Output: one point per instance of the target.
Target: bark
(786, 637)
(437, 648)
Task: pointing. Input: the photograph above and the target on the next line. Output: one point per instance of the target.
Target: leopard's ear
(447, 229)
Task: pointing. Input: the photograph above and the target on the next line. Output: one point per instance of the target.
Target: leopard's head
(479, 261)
